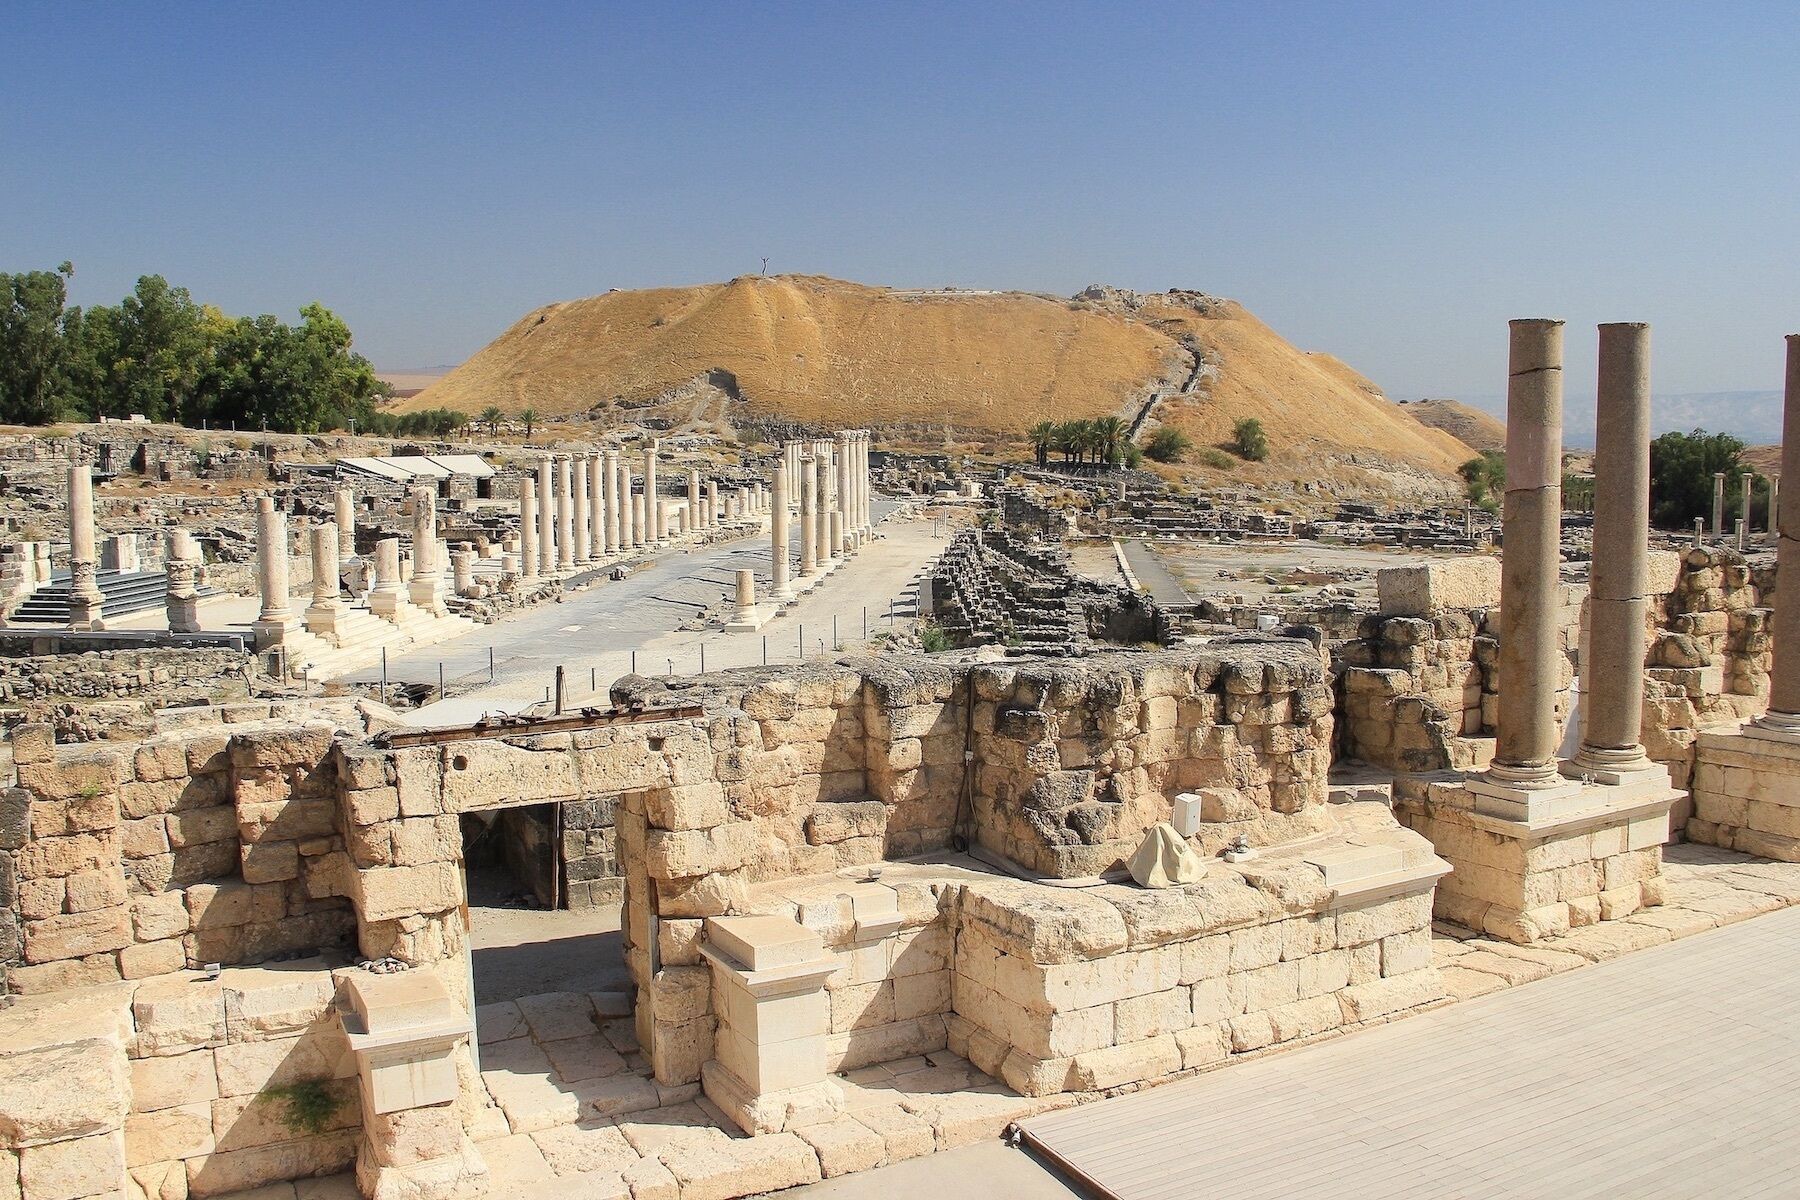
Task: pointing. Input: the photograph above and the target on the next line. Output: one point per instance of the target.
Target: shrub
(933, 638)
(1217, 459)
(1249, 440)
(1168, 445)
(1484, 479)
(309, 1105)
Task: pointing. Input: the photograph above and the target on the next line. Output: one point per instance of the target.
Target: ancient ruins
(871, 903)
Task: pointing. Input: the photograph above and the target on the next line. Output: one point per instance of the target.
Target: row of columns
(1748, 481)
(827, 480)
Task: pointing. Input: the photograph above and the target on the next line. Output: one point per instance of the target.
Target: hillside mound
(823, 352)
(1468, 425)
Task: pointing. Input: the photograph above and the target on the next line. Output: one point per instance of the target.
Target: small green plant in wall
(309, 1106)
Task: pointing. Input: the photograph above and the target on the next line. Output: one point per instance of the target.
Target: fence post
(865, 622)
(634, 662)
(593, 679)
(703, 658)
(802, 641)
(384, 674)
(559, 689)
(835, 644)
(490, 664)
(440, 679)
(765, 638)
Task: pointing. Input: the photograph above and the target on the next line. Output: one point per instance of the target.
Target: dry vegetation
(1468, 425)
(842, 354)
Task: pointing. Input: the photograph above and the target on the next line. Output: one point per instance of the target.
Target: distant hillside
(1468, 425)
(825, 352)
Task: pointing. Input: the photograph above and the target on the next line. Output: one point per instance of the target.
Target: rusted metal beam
(512, 726)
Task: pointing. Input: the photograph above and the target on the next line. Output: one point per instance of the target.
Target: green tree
(1484, 479)
(34, 350)
(1109, 440)
(1168, 445)
(148, 354)
(1249, 440)
(1682, 466)
(491, 416)
(529, 416)
(1043, 437)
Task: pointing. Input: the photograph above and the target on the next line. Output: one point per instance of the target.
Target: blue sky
(1388, 183)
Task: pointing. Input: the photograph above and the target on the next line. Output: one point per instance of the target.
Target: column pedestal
(774, 1015)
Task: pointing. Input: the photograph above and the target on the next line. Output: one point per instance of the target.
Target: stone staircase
(363, 636)
(125, 592)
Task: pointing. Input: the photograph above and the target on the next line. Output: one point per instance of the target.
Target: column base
(1746, 791)
(273, 631)
(327, 619)
(747, 620)
(85, 613)
(769, 1112)
(426, 594)
(183, 613)
(1613, 767)
(454, 1177)
(1584, 853)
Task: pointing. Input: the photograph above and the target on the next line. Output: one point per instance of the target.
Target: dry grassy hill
(839, 354)
(1466, 424)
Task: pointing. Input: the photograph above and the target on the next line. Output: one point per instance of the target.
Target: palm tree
(490, 416)
(1042, 435)
(529, 416)
(1109, 440)
(1069, 440)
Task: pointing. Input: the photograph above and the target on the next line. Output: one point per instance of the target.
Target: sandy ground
(527, 952)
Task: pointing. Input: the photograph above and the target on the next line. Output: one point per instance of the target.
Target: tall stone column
(693, 500)
(1774, 505)
(1718, 504)
(276, 617)
(1784, 674)
(654, 532)
(809, 519)
(426, 589)
(611, 470)
(846, 505)
(565, 514)
(712, 504)
(346, 524)
(578, 471)
(528, 530)
(1749, 481)
(1525, 756)
(596, 507)
(822, 550)
(86, 603)
(778, 535)
(1612, 707)
(546, 493)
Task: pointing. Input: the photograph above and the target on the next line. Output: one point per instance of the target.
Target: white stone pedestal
(774, 1017)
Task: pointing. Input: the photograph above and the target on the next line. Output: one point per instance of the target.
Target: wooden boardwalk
(1674, 1071)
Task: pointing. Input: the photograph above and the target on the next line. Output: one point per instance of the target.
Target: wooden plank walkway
(1670, 1072)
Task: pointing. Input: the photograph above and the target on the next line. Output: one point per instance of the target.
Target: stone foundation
(1597, 857)
(1747, 793)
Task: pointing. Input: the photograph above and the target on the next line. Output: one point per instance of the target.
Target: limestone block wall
(118, 674)
(212, 844)
(1090, 989)
(1710, 652)
(1745, 796)
(1074, 763)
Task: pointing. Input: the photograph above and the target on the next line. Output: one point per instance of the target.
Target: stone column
(778, 534)
(1612, 706)
(1718, 504)
(712, 504)
(528, 530)
(613, 515)
(326, 612)
(1784, 674)
(596, 507)
(693, 500)
(822, 518)
(652, 509)
(546, 538)
(182, 567)
(846, 505)
(1774, 505)
(578, 470)
(427, 585)
(746, 618)
(837, 529)
(565, 514)
(346, 524)
(86, 603)
(1749, 479)
(276, 617)
(1530, 666)
(386, 599)
(809, 519)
